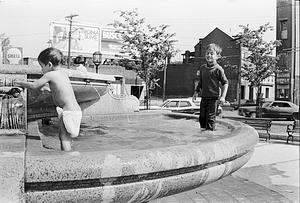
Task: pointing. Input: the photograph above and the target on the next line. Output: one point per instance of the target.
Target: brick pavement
(229, 189)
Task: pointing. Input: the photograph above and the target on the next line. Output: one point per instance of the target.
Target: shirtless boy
(69, 112)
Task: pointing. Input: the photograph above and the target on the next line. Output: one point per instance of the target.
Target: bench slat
(258, 124)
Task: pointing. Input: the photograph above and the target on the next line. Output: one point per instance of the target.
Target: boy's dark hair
(79, 60)
(214, 47)
(52, 55)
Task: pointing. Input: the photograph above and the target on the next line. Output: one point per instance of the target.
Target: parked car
(181, 105)
(271, 109)
(185, 105)
(244, 102)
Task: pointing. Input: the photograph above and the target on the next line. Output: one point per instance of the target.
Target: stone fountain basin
(129, 173)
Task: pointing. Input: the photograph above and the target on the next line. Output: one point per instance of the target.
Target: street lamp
(97, 57)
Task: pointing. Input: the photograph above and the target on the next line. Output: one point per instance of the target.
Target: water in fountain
(142, 132)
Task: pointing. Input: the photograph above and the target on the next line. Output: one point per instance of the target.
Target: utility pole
(70, 19)
(165, 78)
(239, 88)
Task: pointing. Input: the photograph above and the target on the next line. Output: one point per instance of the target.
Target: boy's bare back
(62, 91)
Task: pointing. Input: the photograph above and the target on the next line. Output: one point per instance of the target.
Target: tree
(4, 40)
(148, 47)
(259, 64)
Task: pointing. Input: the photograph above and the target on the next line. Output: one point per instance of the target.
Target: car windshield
(197, 103)
(164, 103)
(266, 104)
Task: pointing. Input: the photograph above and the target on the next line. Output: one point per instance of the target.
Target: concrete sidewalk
(275, 166)
(271, 175)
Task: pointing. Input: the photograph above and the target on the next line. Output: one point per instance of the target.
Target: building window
(283, 29)
(283, 25)
(267, 92)
(251, 93)
(283, 93)
(242, 92)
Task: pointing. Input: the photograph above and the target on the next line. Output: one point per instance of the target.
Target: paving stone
(230, 189)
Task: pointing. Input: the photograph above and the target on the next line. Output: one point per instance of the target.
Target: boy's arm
(199, 84)
(224, 92)
(224, 87)
(33, 85)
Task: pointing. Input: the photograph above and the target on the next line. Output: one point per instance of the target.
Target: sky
(26, 22)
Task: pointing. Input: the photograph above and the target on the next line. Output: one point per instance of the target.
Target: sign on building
(85, 39)
(111, 42)
(13, 55)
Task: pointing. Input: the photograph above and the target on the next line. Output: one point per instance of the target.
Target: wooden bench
(257, 123)
(293, 128)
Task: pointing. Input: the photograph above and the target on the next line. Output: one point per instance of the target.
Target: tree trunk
(259, 102)
(147, 96)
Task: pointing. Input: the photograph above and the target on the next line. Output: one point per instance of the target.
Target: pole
(97, 70)
(70, 18)
(165, 78)
(239, 78)
(1, 54)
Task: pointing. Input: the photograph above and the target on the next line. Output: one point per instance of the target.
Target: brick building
(287, 20)
(180, 81)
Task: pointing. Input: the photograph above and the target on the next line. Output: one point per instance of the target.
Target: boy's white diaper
(71, 119)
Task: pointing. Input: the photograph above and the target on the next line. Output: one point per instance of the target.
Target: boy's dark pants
(208, 110)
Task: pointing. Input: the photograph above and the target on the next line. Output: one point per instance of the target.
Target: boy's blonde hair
(215, 48)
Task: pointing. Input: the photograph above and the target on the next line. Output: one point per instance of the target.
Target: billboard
(85, 39)
(111, 42)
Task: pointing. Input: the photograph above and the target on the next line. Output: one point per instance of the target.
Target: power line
(32, 34)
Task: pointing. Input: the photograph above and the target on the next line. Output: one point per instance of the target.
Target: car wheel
(253, 115)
